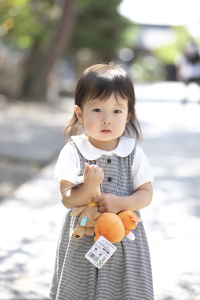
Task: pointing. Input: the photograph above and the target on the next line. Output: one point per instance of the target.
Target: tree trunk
(37, 72)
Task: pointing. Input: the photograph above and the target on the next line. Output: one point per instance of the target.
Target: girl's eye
(97, 110)
(117, 111)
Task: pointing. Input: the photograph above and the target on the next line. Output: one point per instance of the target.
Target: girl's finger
(101, 171)
(92, 168)
(86, 169)
(101, 203)
(97, 199)
(101, 209)
(96, 168)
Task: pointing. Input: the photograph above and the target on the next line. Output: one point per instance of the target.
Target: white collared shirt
(68, 164)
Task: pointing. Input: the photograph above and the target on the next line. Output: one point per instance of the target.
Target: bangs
(106, 84)
(101, 81)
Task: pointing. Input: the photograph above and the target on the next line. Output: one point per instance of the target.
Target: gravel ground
(14, 173)
(30, 137)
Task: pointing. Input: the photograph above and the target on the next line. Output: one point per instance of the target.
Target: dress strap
(83, 160)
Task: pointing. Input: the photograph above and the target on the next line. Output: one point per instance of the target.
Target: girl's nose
(106, 122)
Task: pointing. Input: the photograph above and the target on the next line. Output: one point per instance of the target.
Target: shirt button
(109, 178)
(109, 160)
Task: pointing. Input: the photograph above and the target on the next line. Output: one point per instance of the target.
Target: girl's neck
(103, 145)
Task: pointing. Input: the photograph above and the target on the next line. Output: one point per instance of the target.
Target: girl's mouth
(105, 131)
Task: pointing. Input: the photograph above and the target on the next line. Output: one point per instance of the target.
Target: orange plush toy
(130, 221)
(113, 227)
(110, 226)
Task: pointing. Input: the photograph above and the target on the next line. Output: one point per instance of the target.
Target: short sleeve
(68, 165)
(141, 170)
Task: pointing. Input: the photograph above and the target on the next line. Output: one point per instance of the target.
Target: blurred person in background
(188, 68)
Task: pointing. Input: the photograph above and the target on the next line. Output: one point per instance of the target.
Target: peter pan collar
(124, 148)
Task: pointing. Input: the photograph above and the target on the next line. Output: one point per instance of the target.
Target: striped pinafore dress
(127, 274)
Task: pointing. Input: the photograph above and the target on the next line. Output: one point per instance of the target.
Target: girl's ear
(79, 113)
(128, 117)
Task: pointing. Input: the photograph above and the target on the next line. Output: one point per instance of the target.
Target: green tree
(44, 30)
(99, 27)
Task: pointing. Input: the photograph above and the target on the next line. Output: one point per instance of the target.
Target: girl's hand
(109, 202)
(93, 176)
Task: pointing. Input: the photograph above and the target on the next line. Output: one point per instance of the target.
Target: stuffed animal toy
(130, 221)
(110, 226)
(87, 219)
(113, 227)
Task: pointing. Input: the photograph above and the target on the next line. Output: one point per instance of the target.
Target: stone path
(31, 217)
(30, 137)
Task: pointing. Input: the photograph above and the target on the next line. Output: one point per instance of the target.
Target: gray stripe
(127, 274)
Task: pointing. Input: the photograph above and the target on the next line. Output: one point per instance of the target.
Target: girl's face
(104, 121)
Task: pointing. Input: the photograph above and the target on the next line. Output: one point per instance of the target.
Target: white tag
(100, 252)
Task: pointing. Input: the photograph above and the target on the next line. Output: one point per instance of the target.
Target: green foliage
(130, 36)
(168, 52)
(26, 23)
(141, 72)
(99, 26)
(32, 22)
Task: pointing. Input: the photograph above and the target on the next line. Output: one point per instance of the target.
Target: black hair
(100, 81)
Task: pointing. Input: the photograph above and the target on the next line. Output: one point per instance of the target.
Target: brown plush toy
(87, 219)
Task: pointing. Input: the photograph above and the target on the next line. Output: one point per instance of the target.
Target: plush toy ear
(134, 217)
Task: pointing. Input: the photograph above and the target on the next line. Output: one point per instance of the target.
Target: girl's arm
(93, 176)
(141, 198)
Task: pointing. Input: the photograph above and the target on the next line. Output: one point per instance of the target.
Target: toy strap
(73, 186)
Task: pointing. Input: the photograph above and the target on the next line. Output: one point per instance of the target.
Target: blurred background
(47, 44)
(44, 48)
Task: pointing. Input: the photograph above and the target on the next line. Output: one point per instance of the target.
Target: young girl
(107, 155)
